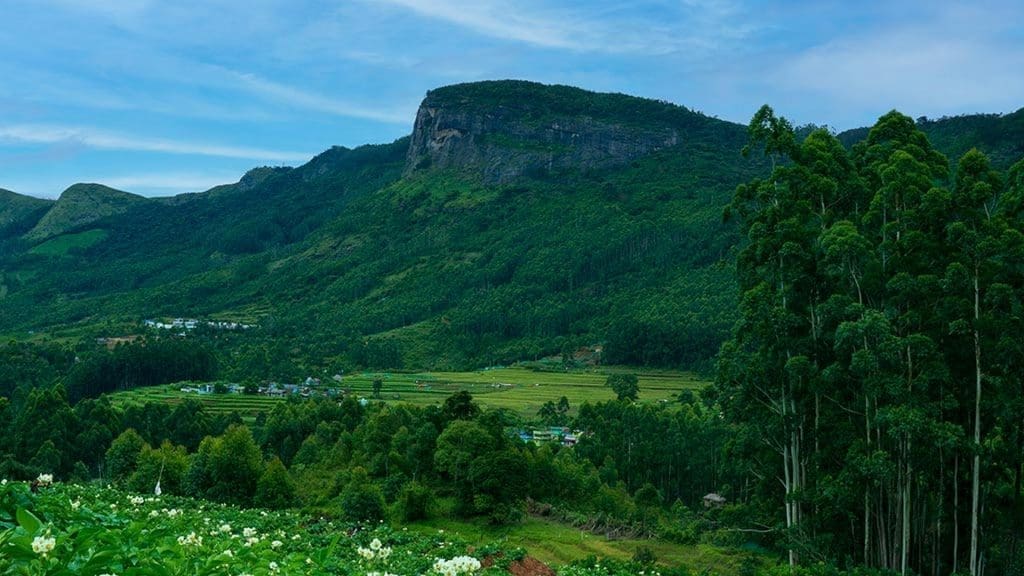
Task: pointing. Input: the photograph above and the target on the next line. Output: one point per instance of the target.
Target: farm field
(556, 544)
(515, 388)
(92, 530)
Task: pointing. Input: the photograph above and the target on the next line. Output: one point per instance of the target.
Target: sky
(166, 97)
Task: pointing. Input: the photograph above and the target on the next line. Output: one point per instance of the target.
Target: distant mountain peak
(82, 204)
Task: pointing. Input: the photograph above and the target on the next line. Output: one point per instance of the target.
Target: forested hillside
(519, 220)
(446, 266)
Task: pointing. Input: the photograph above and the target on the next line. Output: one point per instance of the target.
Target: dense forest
(874, 376)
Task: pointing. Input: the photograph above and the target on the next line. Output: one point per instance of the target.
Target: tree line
(875, 374)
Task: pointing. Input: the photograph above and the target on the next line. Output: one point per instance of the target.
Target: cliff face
(518, 128)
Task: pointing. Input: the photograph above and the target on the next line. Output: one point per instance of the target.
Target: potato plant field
(92, 530)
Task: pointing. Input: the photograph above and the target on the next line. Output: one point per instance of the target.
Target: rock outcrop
(507, 129)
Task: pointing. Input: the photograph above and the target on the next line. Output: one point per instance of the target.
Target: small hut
(713, 500)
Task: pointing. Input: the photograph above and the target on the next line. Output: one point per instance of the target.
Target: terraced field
(520, 389)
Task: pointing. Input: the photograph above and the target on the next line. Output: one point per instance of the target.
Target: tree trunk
(975, 472)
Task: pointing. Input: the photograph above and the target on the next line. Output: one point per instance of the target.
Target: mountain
(19, 213)
(80, 205)
(518, 220)
(1000, 136)
(502, 131)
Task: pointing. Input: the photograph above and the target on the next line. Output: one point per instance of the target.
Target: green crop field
(557, 544)
(517, 388)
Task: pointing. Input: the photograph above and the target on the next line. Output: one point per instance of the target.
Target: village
(313, 387)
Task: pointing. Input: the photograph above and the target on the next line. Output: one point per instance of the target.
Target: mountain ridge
(504, 246)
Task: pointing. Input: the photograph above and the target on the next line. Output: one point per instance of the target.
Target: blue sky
(163, 97)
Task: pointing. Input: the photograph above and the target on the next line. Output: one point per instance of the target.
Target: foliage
(89, 530)
(275, 489)
(626, 386)
(362, 500)
(866, 373)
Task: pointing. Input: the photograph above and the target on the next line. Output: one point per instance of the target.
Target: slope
(79, 206)
(19, 213)
(1000, 136)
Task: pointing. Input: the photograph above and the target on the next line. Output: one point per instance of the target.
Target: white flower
(366, 553)
(42, 545)
(138, 500)
(276, 544)
(3, 482)
(225, 528)
(191, 540)
(457, 565)
(45, 479)
(375, 544)
(274, 567)
(248, 532)
(75, 504)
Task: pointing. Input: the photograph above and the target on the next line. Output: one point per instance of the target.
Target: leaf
(28, 521)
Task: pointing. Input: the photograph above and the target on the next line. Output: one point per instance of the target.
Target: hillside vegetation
(518, 221)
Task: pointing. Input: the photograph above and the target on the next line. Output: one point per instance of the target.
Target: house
(542, 436)
(713, 500)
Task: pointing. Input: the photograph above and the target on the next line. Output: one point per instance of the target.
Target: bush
(414, 502)
(361, 500)
(275, 489)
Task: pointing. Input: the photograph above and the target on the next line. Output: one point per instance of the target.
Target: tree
(361, 500)
(377, 385)
(625, 386)
(166, 465)
(226, 468)
(123, 455)
(460, 406)
(275, 489)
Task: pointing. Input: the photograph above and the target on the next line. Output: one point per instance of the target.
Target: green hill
(19, 213)
(79, 206)
(1000, 136)
(517, 221)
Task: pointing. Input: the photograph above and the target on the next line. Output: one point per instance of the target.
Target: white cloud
(946, 60)
(700, 26)
(916, 71)
(104, 140)
(317, 102)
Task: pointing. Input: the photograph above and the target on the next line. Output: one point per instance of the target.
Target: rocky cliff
(507, 129)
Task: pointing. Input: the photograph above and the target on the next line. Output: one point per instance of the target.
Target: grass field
(62, 244)
(554, 543)
(519, 389)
